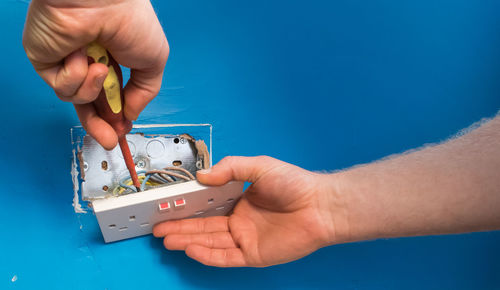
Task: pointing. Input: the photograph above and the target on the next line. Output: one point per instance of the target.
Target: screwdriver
(109, 103)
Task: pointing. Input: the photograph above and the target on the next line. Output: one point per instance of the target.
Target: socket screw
(141, 164)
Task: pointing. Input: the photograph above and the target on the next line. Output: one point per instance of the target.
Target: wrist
(334, 209)
(367, 213)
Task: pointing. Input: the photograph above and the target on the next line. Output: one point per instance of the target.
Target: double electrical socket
(135, 214)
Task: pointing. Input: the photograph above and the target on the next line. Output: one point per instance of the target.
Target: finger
(218, 240)
(96, 127)
(145, 83)
(70, 76)
(192, 226)
(141, 88)
(237, 168)
(92, 85)
(232, 257)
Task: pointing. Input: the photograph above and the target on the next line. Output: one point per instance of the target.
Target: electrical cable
(180, 169)
(174, 174)
(153, 177)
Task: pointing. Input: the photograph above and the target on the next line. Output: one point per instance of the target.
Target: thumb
(237, 168)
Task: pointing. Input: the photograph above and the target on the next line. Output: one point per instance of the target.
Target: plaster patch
(74, 175)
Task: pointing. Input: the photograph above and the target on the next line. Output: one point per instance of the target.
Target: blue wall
(321, 84)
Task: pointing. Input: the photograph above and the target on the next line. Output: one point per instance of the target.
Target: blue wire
(143, 185)
(122, 181)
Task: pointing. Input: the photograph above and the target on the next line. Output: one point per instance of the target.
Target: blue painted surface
(321, 84)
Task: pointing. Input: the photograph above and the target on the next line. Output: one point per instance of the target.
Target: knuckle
(227, 159)
(167, 50)
(163, 54)
(264, 158)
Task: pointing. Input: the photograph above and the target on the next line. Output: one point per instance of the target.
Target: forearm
(448, 188)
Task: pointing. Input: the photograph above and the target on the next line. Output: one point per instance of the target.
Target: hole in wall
(210, 200)
(131, 218)
(176, 163)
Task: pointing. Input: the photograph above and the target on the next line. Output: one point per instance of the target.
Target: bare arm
(453, 187)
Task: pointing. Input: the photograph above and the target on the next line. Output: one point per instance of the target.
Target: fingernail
(99, 80)
(205, 171)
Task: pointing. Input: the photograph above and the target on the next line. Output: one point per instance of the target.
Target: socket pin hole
(112, 226)
(131, 218)
(176, 140)
(104, 165)
(105, 188)
(176, 163)
(230, 199)
(123, 229)
(210, 200)
(144, 224)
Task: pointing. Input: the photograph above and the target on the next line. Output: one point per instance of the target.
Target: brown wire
(160, 179)
(168, 173)
(180, 169)
(166, 177)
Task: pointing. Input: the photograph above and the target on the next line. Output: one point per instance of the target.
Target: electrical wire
(152, 178)
(166, 177)
(123, 180)
(181, 170)
(143, 184)
(170, 173)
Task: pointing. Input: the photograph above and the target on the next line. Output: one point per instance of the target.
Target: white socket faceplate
(134, 215)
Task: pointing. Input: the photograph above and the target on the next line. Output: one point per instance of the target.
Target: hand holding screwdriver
(55, 32)
(109, 103)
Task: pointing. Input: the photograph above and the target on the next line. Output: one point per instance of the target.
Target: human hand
(286, 213)
(55, 36)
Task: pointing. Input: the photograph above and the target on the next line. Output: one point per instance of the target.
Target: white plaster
(74, 175)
